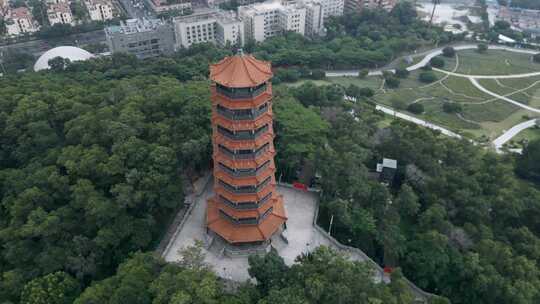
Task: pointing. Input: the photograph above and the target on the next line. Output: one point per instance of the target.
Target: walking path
(509, 134)
(417, 121)
(434, 53)
(498, 142)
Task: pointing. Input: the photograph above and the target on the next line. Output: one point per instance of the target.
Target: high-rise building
(246, 208)
(99, 10)
(360, 5)
(142, 37)
(208, 26)
(265, 20)
(314, 17)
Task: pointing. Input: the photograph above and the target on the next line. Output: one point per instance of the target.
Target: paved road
(504, 98)
(509, 134)
(417, 121)
(434, 53)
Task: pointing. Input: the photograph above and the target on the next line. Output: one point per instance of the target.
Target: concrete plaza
(302, 236)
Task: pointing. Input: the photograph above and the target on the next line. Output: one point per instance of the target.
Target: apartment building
(314, 18)
(19, 21)
(265, 20)
(211, 25)
(331, 7)
(59, 13)
(99, 10)
(360, 5)
(143, 38)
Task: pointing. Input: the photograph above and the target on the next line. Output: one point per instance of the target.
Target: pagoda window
(240, 93)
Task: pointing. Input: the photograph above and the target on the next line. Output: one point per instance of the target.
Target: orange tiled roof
(246, 233)
(240, 71)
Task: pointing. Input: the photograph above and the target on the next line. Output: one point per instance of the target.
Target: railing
(243, 172)
(241, 93)
(242, 135)
(244, 189)
(245, 205)
(251, 155)
(240, 114)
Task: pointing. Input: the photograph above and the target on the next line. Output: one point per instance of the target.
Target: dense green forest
(94, 156)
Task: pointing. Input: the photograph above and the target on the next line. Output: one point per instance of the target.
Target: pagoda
(246, 208)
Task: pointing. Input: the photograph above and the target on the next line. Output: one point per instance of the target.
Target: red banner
(300, 186)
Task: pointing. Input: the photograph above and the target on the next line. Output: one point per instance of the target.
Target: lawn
(493, 62)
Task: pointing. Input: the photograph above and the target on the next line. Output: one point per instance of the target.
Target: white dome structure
(67, 52)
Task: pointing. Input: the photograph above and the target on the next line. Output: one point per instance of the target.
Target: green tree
(527, 164)
(449, 51)
(427, 77)
(54, 288)
(437, 62)
(269, 271)
(482, 48)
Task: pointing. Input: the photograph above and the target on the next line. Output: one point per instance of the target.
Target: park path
(434, 53)
(499, 141)
(417, 121)
(509, 134)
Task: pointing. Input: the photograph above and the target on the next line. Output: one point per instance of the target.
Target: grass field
(493, 62)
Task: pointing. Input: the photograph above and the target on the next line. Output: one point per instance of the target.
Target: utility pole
(330, 227)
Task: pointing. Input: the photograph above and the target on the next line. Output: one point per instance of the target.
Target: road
(509, 134)
(417, 121)
(38, 46)
(136, 9)
(499, 141)
(434, 53)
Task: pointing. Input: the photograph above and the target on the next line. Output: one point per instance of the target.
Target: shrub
(318, 74)
(367, 92)
(398, 103)
(449, 51)
(363, 73)
(452, 107)
(427, 77)
(482, 48)
(427, 67)
(437, 62)
(387, 74)
(392, 82)
(402, 73)
(416, 108)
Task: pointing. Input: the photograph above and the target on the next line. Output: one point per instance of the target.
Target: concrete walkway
(417, 121)
(509, 134)
(302, 236)
(434, 53)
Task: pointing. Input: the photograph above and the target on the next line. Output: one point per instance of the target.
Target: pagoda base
(246, 235)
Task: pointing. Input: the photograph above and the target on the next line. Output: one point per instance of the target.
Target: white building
(331, 7)
(265, 20)
(59, 13)
(19, 21)
(314, 17)
(208, 26)
(99, 10)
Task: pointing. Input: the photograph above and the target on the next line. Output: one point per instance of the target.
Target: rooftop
(240, 71)
(135, 26)
(59, 7)
(20, 13)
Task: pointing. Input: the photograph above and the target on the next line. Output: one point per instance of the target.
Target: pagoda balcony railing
(244, 189)
(242, 135)
(246, 114)
(241, 93)
(245, 205)
(248, 220)
(237, 155)
(244, 172)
